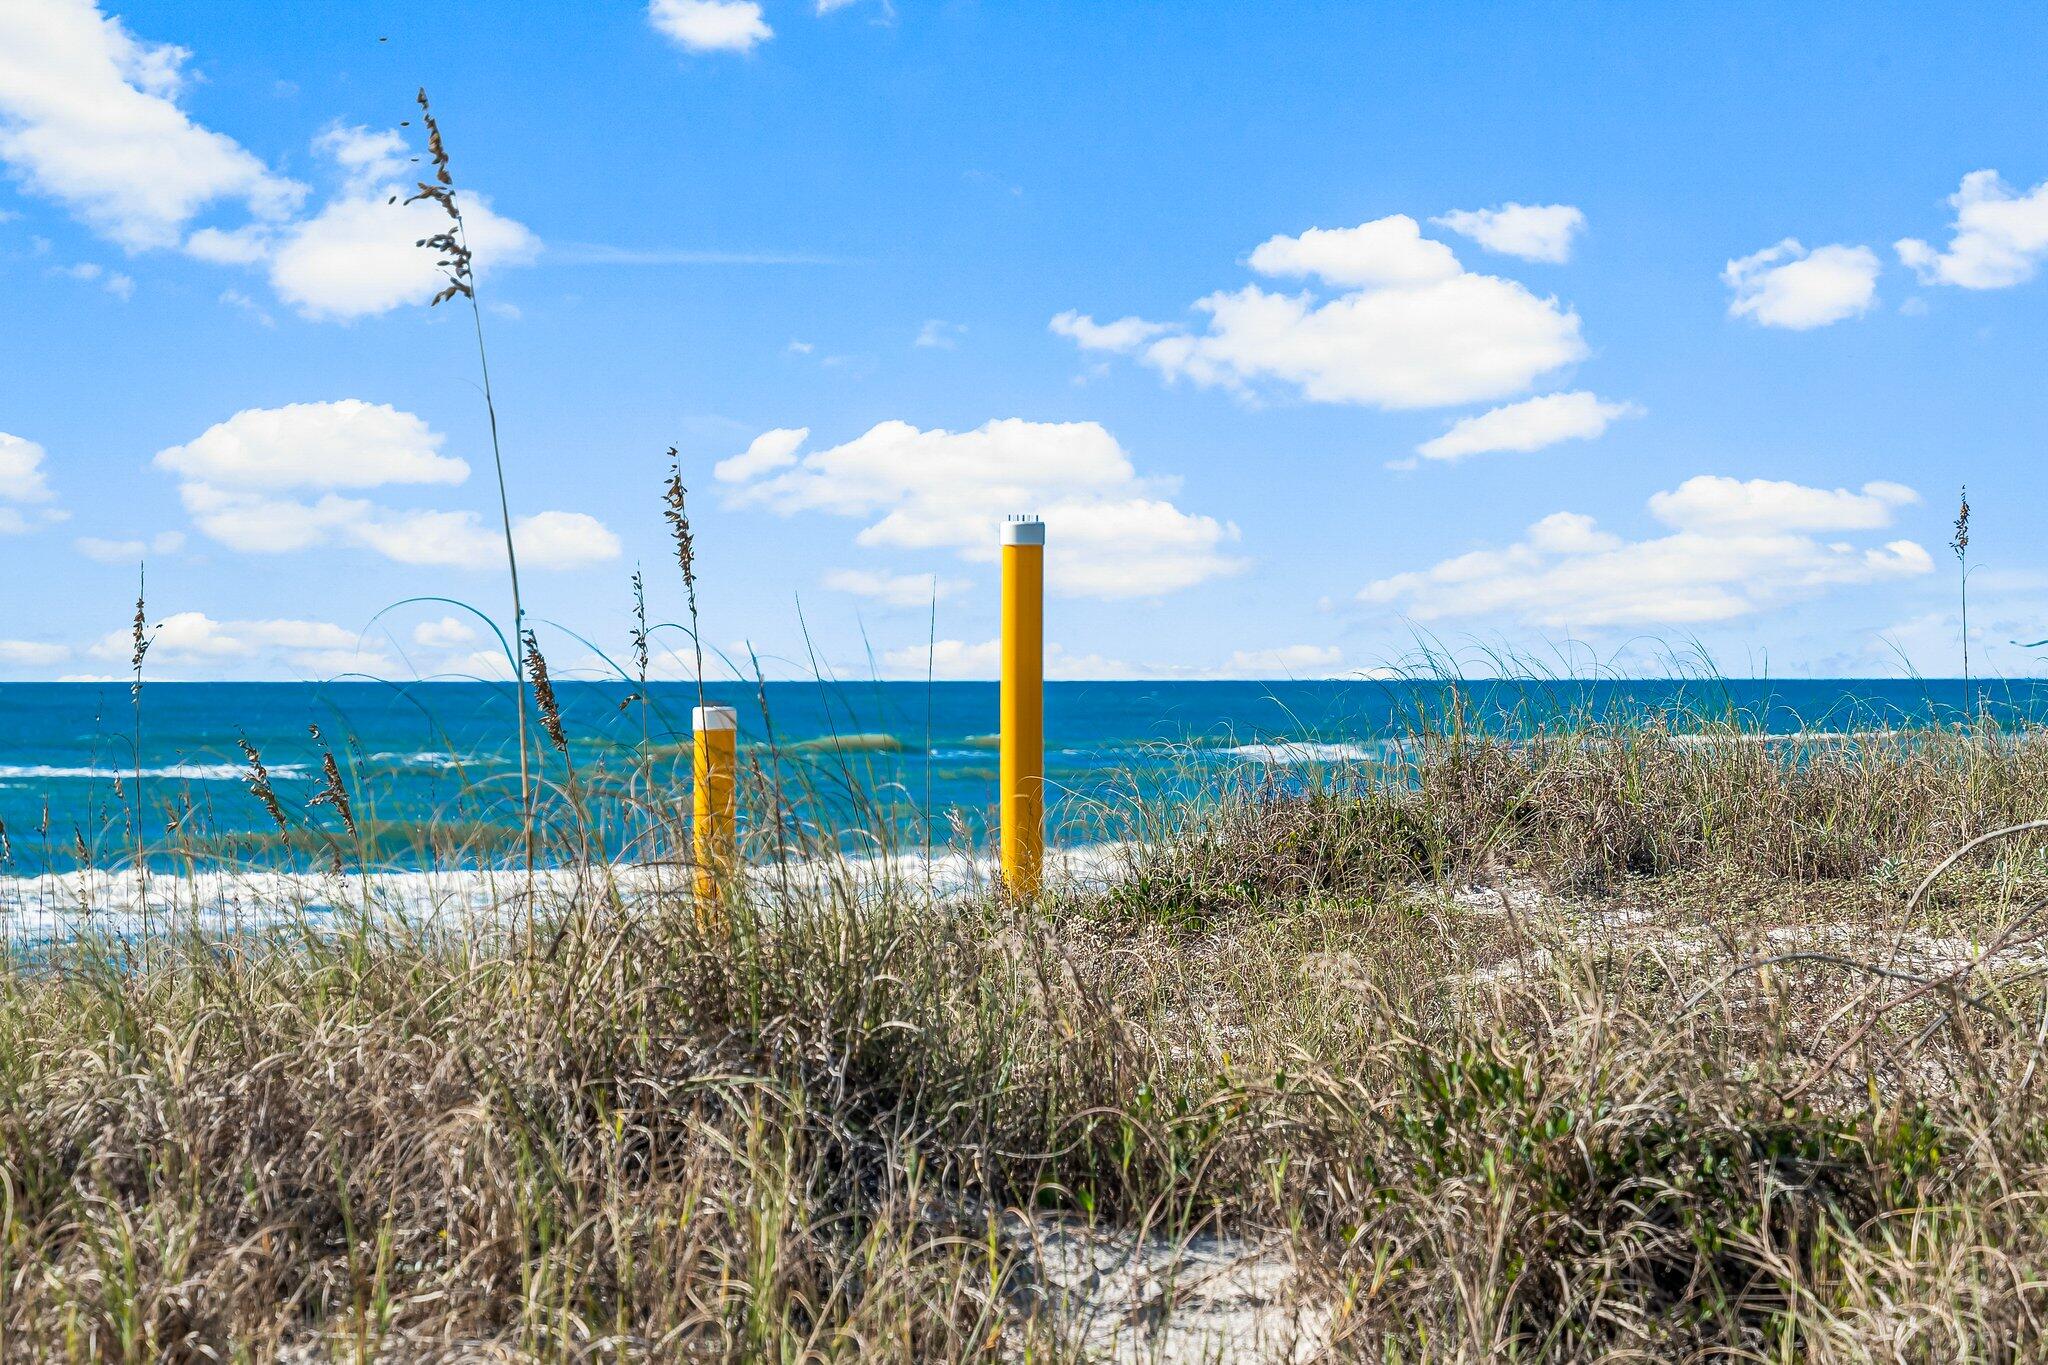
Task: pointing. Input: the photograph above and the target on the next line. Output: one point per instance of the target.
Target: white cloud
(21, 470)
(710, 25)
(1386, 251)
(88, 117)
(446, 633)
(1114, 533)
(1528, 425)
(1999, 237)
(32, 653)
(114, 282)
(230, 246)
(983, 659)
(770, 451)
(463, 540)
(235, 298)
(1123, 335)
(480, 663)
(239, 479)
(1413, 328)
(258, 524)
(1787, 286)
(194, 637)
(344, 444)
(563, 540)
(1723, 506)
(1534, 232)
(129, 551)
(897, 590)
(938, 334)
(360, 255)
(1288, 661)
(364, 156)
(1736, 549)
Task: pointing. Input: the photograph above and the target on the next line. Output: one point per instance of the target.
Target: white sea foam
(57, 907)
(189, 772)
(1715, 740)
(1303, 751)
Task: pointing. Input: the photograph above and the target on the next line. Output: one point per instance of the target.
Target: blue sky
(1589, 331)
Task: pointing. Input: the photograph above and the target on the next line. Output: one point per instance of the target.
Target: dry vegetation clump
(1714, 1113)
(1585, 806)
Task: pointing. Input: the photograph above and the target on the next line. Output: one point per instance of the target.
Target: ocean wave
(53, 907)
(1791, 737)
(189, 772)
(428, 758)
(1302, 751)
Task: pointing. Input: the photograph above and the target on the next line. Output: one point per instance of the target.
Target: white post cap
(714, 718)
(1023, 530)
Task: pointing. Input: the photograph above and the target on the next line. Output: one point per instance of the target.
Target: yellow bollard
(1021, 709)
(714, 769)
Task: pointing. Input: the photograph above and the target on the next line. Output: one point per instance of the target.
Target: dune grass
(1610, 1045)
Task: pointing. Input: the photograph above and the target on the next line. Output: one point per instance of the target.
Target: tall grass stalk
(1960, 544)
(457, 261)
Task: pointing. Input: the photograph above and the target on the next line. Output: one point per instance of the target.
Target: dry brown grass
(1683, 1079)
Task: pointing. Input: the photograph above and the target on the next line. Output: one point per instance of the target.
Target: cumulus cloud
(1411, 327)
(1735, 549)
(129, 551)
(1998, 239)
(247, 483)
(893, 589)
(344, 444)
(769, 451)
(1723, 506)
(1788, 286)
(446, 633)
(192, 639)
(1534, 232)
(1123, 335)
(710, 25)
(359, 255)
(1386, 251)
(22, 478)
(1119, 535)
(939, 334)
(89, 118)
(1529, 425)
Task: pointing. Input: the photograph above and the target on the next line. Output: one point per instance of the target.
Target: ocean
(431, 768)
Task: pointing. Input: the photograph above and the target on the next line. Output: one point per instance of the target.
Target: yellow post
(714, 767)
(1021, 709)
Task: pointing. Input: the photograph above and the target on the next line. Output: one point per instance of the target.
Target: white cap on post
(714, 718)
(1023, 530)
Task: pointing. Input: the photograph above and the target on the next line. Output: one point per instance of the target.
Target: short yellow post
(714, 768)
(1021, 707)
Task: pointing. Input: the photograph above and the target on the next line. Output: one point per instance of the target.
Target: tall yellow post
(714, 768)
(1021, 708)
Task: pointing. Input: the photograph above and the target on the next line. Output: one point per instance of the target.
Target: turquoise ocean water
(432, 775)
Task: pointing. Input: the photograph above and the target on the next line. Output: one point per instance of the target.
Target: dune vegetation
(1610, 1043)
